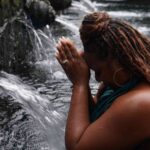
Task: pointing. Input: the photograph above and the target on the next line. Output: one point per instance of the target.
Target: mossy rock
(16, 47)
(60, 4)
(9, 8)
(40, 12)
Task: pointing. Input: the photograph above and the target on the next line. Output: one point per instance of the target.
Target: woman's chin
(98, 79)
(101, 80)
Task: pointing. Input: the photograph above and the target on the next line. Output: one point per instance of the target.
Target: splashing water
(43, 115)
(68, 24)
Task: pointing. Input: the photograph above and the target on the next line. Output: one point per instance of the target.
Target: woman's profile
(118, 116)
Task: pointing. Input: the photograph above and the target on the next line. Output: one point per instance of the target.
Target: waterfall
(34, 107)
(50, 122)
(68, 24)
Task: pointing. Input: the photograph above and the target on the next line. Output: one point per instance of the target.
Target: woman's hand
(72, 62)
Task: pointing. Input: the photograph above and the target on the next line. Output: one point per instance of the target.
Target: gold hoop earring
(114, 77)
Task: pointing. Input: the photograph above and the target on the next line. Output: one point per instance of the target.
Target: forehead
(90, 46)
(97, 48)
(90, 58)
(88, 55)
(94, 60)
(95, 56)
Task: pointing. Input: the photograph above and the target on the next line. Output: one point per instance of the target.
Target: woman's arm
(78, 117)
(78, 73)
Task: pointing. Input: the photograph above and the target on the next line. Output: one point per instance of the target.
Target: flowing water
(34, 106)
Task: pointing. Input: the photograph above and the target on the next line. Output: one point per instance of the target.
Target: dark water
(38, 102)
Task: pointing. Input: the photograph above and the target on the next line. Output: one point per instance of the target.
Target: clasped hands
(72, 62)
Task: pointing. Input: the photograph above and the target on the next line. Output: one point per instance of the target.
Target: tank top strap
(109, 96)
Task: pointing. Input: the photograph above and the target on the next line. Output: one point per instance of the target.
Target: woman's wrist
(82, 84)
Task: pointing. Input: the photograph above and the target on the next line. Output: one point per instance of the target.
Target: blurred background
(34, 91)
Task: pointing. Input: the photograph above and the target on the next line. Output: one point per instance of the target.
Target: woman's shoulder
(139, 94)
(135, 102)
(133, 108)
(128, 118)
(134, 98)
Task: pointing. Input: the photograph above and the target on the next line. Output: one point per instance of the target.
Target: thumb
(81, 53)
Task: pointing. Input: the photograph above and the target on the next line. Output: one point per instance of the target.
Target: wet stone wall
(17, 19)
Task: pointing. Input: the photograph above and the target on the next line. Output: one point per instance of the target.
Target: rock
(17, 38)
(16, 46)
(60, 4)
(40, 12)
(9, 9)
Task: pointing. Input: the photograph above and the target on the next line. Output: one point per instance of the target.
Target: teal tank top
(109, 96)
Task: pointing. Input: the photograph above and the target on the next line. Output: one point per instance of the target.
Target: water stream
(37, 104)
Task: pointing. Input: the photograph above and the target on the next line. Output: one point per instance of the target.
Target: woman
(118, 118)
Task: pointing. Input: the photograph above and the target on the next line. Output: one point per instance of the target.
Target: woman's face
(104, 69)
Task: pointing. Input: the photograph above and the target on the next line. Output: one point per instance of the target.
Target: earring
(114, 76)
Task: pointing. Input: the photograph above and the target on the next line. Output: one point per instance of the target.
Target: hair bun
(97, 21)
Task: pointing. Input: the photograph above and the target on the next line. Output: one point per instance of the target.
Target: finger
(58, 57)
(69, 47)
(61, 51)
(64, 66)
(72, 48)
(81, 53)
(67, 50)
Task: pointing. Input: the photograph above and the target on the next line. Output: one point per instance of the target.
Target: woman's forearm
(78, 117)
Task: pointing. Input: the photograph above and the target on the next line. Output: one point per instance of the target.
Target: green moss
(17, 3)
(13, 3)
(8, 5)
(8, 8)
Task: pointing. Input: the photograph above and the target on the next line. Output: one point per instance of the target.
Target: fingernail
(63, 37)
(59, 39)
(59, 42)
(56, 54)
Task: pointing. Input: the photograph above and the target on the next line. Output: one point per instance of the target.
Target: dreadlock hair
(105, 36)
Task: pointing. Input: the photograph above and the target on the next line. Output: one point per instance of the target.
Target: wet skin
(124, 126)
